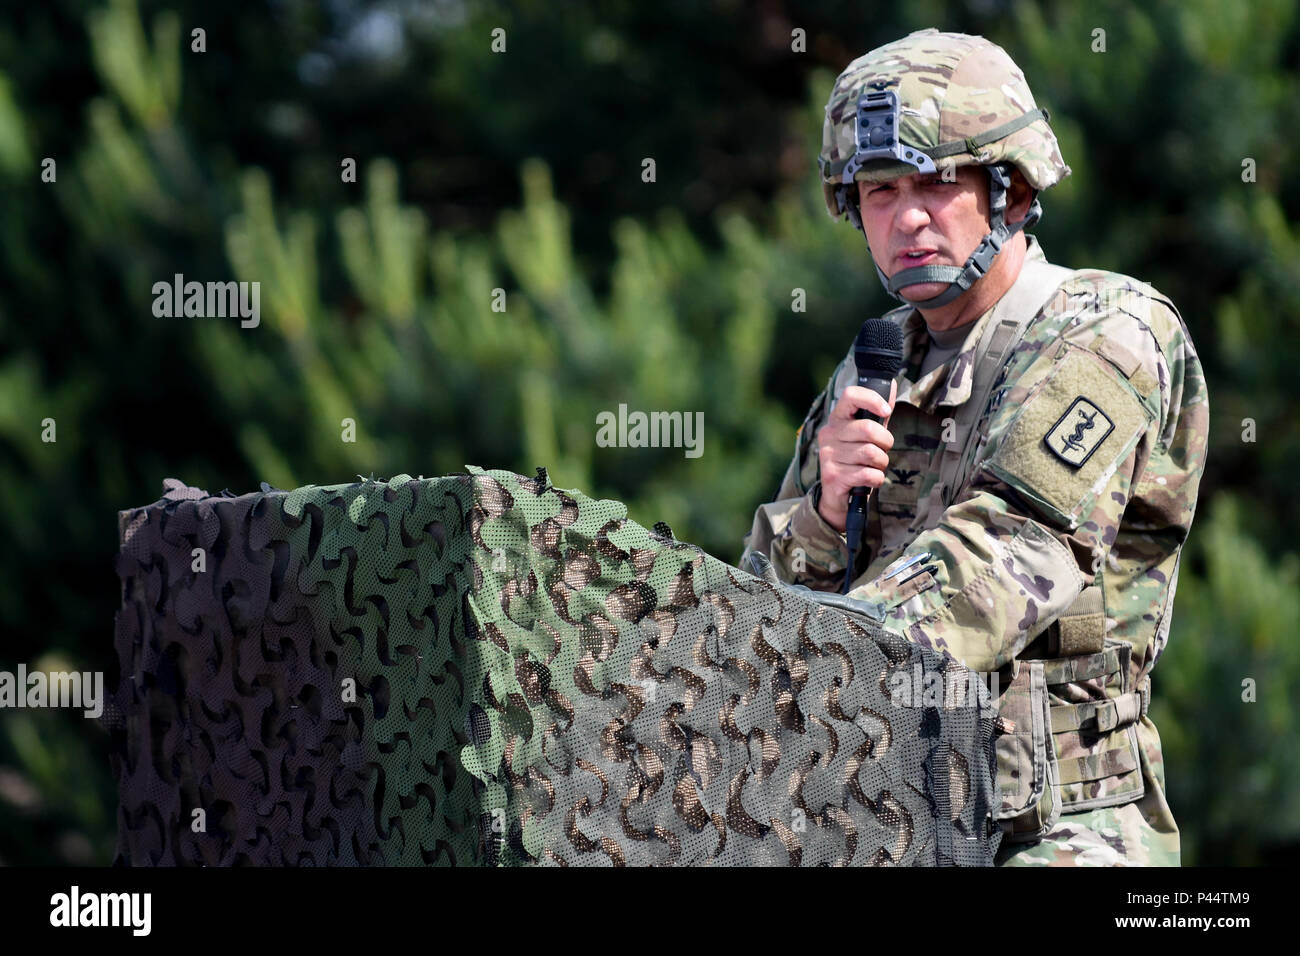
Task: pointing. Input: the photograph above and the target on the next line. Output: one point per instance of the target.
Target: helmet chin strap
(960, 278)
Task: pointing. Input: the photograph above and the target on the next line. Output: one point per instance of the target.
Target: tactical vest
(1069, 704)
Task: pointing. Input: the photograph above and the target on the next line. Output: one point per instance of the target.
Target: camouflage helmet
(925, 103)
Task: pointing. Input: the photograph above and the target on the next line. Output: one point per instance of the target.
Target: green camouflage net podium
(485, 670)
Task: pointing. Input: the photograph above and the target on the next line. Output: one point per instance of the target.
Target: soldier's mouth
(915, 257)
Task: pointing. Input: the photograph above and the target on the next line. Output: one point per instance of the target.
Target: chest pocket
(897, 500)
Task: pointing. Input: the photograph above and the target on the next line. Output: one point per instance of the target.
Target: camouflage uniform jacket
(1060, 543)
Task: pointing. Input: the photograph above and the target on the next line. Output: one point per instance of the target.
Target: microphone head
(878, 349)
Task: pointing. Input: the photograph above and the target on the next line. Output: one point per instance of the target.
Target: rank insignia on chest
(1079, 432)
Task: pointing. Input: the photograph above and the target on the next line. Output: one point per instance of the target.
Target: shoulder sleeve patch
(1079, 432)
(1070, 435)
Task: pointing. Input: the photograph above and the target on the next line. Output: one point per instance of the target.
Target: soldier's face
(920, 220)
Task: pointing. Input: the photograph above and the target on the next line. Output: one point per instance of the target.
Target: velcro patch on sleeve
(1070, 434)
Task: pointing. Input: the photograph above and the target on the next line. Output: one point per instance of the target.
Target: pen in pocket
(923, 556)
(929, 567)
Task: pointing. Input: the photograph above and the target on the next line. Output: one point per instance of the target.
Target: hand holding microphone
(853, 450)
(854, 442)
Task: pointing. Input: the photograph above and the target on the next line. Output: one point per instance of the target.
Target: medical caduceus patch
(1079, 432)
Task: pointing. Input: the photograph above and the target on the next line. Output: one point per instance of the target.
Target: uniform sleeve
(789, 531)
(1065, 446)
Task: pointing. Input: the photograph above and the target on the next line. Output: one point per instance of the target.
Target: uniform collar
(950, 383)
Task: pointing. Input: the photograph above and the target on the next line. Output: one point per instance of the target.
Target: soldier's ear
(1019, 197)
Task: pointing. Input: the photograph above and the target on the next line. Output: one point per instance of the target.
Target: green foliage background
(521, 171)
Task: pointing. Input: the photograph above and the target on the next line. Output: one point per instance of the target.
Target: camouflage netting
(537, 679)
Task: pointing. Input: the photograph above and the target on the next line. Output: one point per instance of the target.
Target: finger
(866, 477)
(856, 454)
(845, 478)
(855, 397)
(874, 457)
(863, 431)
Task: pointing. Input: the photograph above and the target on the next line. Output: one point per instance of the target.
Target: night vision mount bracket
(876, 134)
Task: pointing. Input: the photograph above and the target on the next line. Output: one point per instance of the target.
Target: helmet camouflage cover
(960, 99)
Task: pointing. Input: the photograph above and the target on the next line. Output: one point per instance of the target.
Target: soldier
(1037, 473)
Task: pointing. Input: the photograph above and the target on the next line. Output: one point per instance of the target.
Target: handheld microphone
(878, 354)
